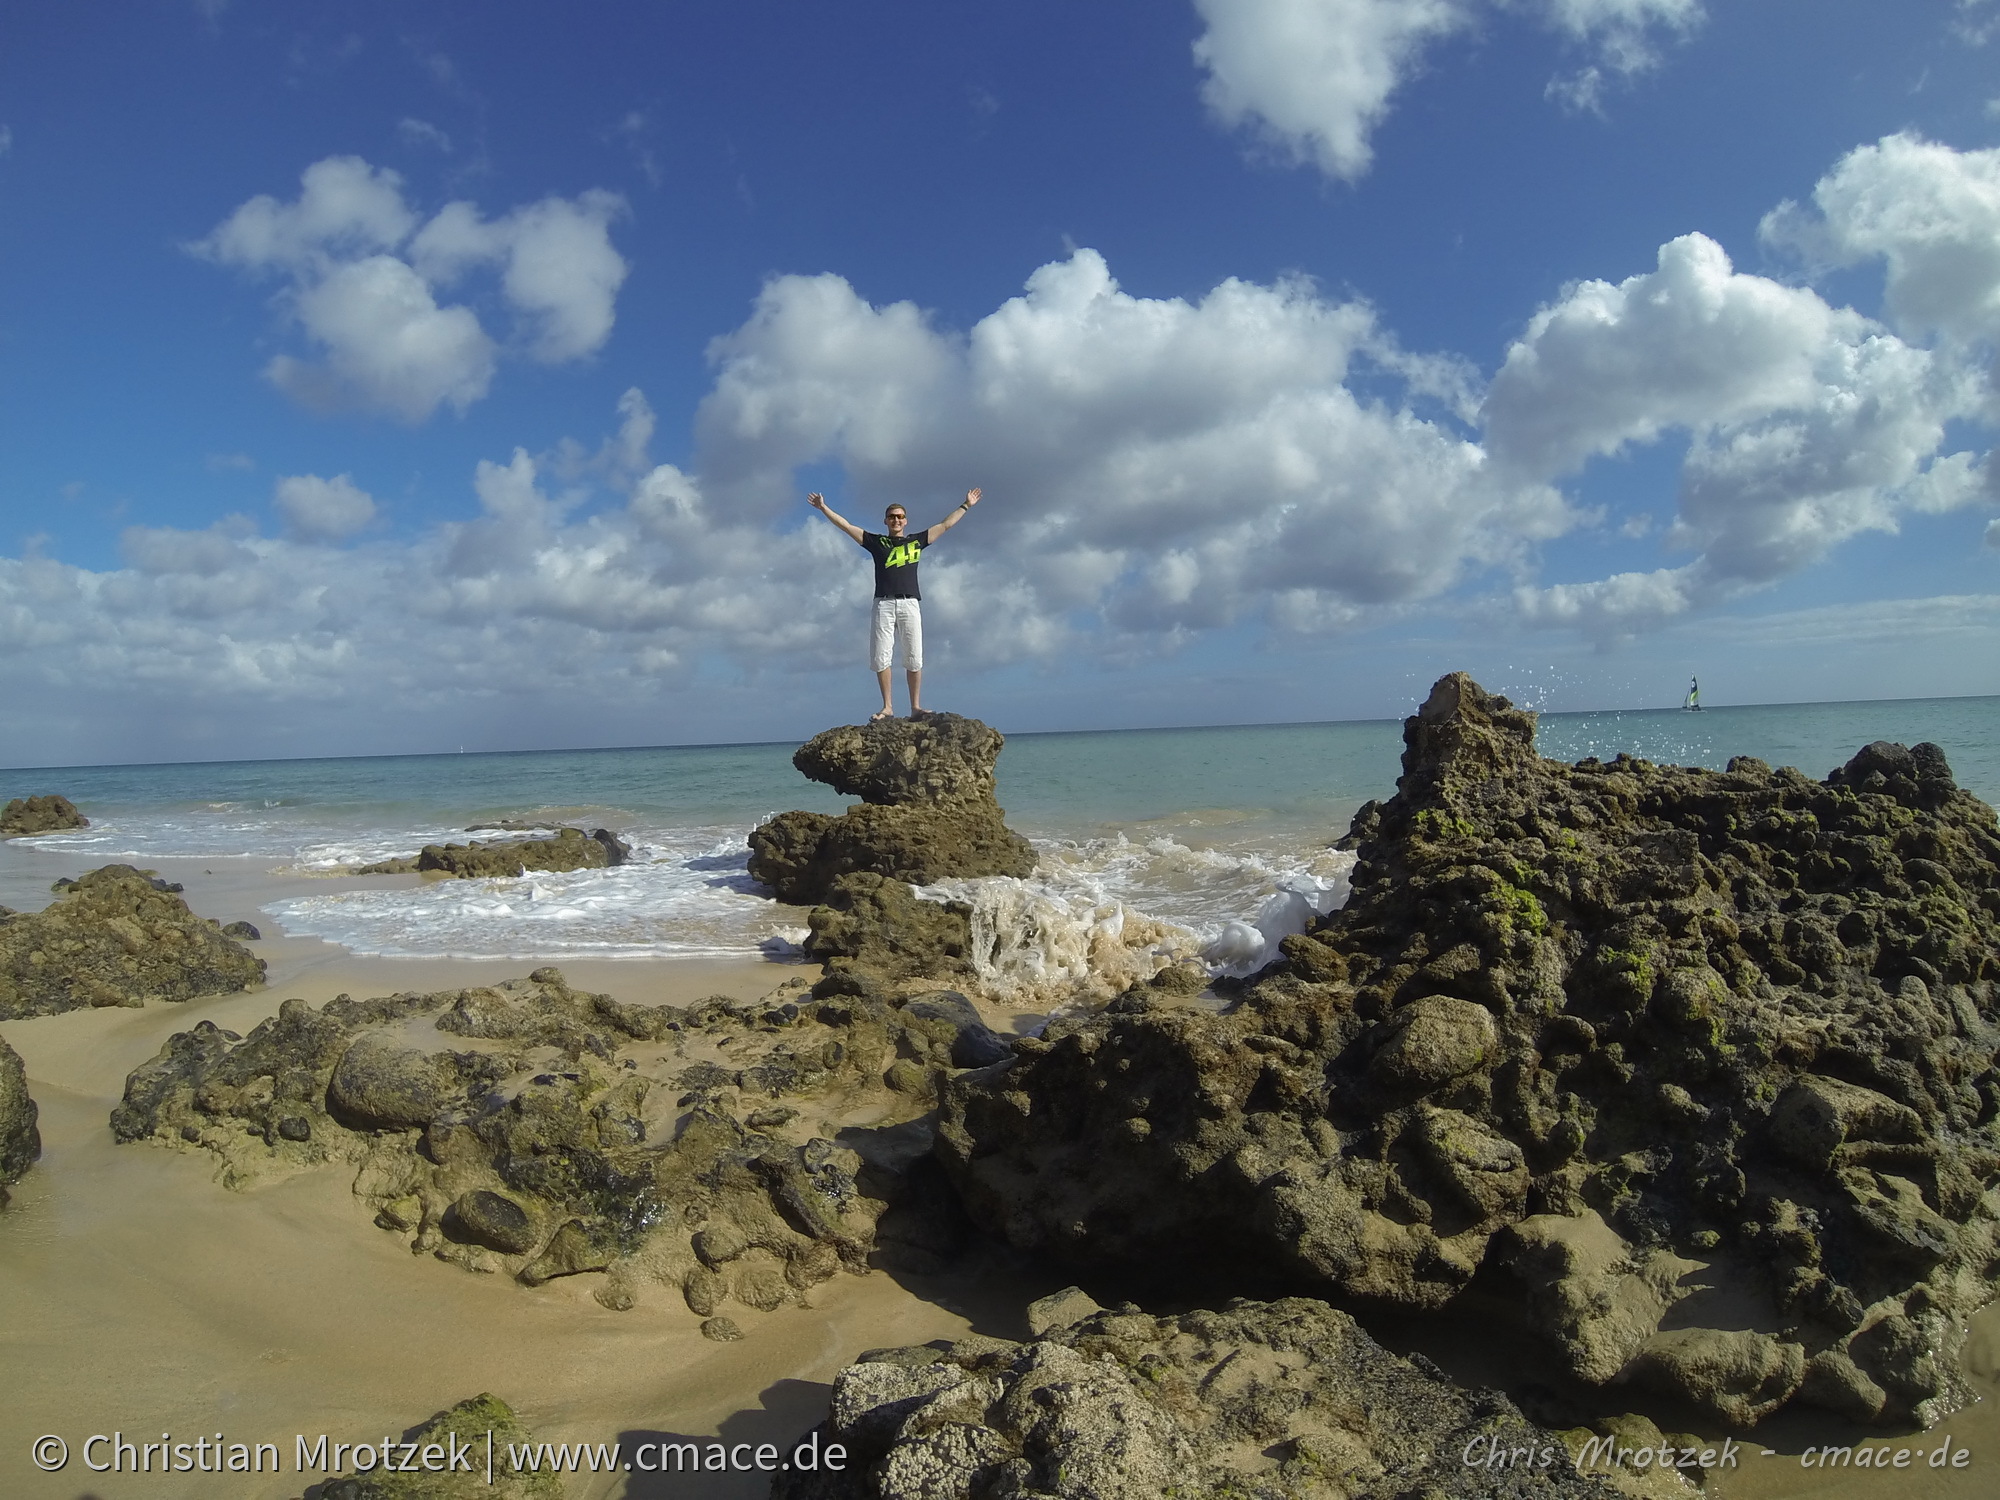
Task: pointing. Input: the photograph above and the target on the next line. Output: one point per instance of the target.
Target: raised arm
(971, 499)
(818, 502)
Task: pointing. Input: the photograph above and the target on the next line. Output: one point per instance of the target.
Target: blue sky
(391, 377)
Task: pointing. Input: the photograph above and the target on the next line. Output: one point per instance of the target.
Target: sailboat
(1692, 702)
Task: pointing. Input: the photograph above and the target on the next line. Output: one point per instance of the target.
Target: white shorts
(897, 619)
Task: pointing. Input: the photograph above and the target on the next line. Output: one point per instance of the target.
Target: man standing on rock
(898, 613)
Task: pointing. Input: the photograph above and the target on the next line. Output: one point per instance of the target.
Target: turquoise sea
(1218, 836)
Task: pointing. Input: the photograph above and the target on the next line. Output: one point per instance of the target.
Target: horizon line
(1014, 734)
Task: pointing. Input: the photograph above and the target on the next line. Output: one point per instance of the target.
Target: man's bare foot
(877, 718)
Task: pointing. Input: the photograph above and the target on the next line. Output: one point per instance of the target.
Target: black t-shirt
(895, 563)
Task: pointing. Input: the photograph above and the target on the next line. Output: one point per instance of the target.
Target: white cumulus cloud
(1807, 424)
(319, 509)
(363, 273)
(387, 344)
(1168, 464)
(558, 267)
(1929, 213)
(1314, 77)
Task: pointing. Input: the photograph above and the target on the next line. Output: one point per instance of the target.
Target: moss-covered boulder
(569, 849)
(115, 936)
(478, 1425)
(49, 814)
(1703, 1062)
(927, 813)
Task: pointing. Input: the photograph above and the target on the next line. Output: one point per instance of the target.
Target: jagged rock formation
(570, 849)
(927, 811)
(1284, 1400)
(20, 1140)
(454, 1431)
(1630, 1038)
(51, 814)
(115, 936)
(732, 1152)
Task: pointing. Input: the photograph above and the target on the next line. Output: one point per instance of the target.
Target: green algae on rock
(481, 1424)
(115, 936)
(1653, 1042)
(726, 1151)
(1286, 1400)
(570, 849)
(20, 1140)
(927, 811)
(50, 814)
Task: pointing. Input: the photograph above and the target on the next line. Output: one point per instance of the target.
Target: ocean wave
(1101, 915)
(696, 901)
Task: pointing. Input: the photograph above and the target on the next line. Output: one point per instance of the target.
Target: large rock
(465, 1428)
(569, 849)
(115, 936)
(927, 812)
(50, 814)
(541, 1131)
(1737, 1028)
(1280, 1399)
(20, 1140)
(879, 928)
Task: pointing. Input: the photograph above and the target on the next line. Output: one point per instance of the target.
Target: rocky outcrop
(538, 1131)
(50, 814)
(453, 1431)
(1703, 1063)
(879, 929)
(927, 810)
(116, 936)
(20, 1140)
(570, 849)
(1286, 1400)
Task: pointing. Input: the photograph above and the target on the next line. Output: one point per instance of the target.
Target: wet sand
(139, 1296)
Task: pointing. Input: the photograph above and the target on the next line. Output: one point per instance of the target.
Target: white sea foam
(1103, 914)
(680, 897)
(292, 840)
(1098, 914)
